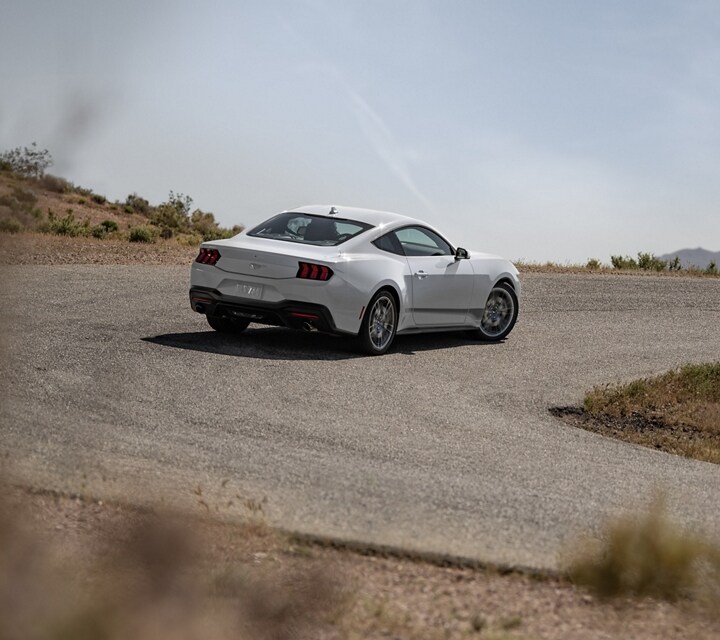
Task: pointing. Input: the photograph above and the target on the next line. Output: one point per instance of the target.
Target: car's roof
(370, 216)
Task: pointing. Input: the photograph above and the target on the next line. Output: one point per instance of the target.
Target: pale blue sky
(538, 130)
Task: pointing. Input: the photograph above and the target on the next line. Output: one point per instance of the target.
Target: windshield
(308, 229)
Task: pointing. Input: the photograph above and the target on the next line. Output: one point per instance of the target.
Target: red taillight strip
(208, 256)
(310, 271)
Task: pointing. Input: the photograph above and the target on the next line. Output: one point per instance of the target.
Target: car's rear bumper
(288, 313)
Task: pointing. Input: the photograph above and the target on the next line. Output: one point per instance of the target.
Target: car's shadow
(285, 344)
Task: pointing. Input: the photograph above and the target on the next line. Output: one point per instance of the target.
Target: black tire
(499, 315)
(227, 325)
(379, 324)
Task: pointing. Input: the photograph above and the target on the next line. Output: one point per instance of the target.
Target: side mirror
(461, 254)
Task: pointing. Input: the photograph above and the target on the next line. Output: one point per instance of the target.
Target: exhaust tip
(307, 326)
(200, 308)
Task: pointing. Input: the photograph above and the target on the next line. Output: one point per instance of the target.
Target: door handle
(421, 274)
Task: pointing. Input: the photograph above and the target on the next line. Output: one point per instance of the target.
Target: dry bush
(647, 555)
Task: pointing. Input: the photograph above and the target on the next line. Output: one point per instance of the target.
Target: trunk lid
(267, 258)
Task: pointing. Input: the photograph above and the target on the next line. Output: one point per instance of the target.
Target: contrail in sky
(372, 126)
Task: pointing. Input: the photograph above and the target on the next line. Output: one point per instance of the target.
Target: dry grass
(678, 411)
(647, 555)
(591, 268)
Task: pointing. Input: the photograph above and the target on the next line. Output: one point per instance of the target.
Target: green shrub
(593, 264)
(618, 262)
(189, 239)
(675, 264)
(67, 226)
(109, 225)
(136, 204)
(143, 233)
(712, 269)
(648, 262)
(173, 216)
(98, 199)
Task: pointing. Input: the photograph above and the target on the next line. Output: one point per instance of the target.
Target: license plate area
(248, 290)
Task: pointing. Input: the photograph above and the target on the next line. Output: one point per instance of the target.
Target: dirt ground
(287, 588)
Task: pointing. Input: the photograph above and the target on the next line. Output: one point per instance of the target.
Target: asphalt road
(113, 386)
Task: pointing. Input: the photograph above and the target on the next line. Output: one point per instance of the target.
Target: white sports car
(357, 272)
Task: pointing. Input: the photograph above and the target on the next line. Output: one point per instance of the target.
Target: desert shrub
(593, 264)
(711, 269)
(143, 233)
(618, 262)
(136, 204)
(189, 239)
(29, 162)
(204, 223)
(109, 225)
(55, 184)
(98, 199)
(647, 555)
(104, 229)
(173, 216)
(648, 262)
(67, 226)
(674, 264)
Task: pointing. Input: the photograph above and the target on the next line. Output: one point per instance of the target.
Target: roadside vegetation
(677, 412)
(32, 200)
(645, 263)
(647, 555)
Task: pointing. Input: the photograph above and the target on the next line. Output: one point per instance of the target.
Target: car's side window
(389, 243)
(418, 241)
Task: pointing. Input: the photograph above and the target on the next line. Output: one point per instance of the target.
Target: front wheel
(379, 324)
(499, 315)
(227, 325)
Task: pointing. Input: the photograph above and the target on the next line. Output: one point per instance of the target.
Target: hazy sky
(535, 129)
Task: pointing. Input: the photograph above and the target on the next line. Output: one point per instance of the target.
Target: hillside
(31, 201)
(699, 258)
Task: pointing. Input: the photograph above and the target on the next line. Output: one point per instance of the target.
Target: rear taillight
(311, 271)
(208, 256)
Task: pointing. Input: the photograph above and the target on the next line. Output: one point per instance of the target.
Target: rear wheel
(227, 325)
(379, 324)
(499, 315)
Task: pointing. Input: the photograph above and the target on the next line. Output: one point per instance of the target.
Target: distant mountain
(700, 258)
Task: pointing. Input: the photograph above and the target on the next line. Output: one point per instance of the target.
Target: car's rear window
(308, 229)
